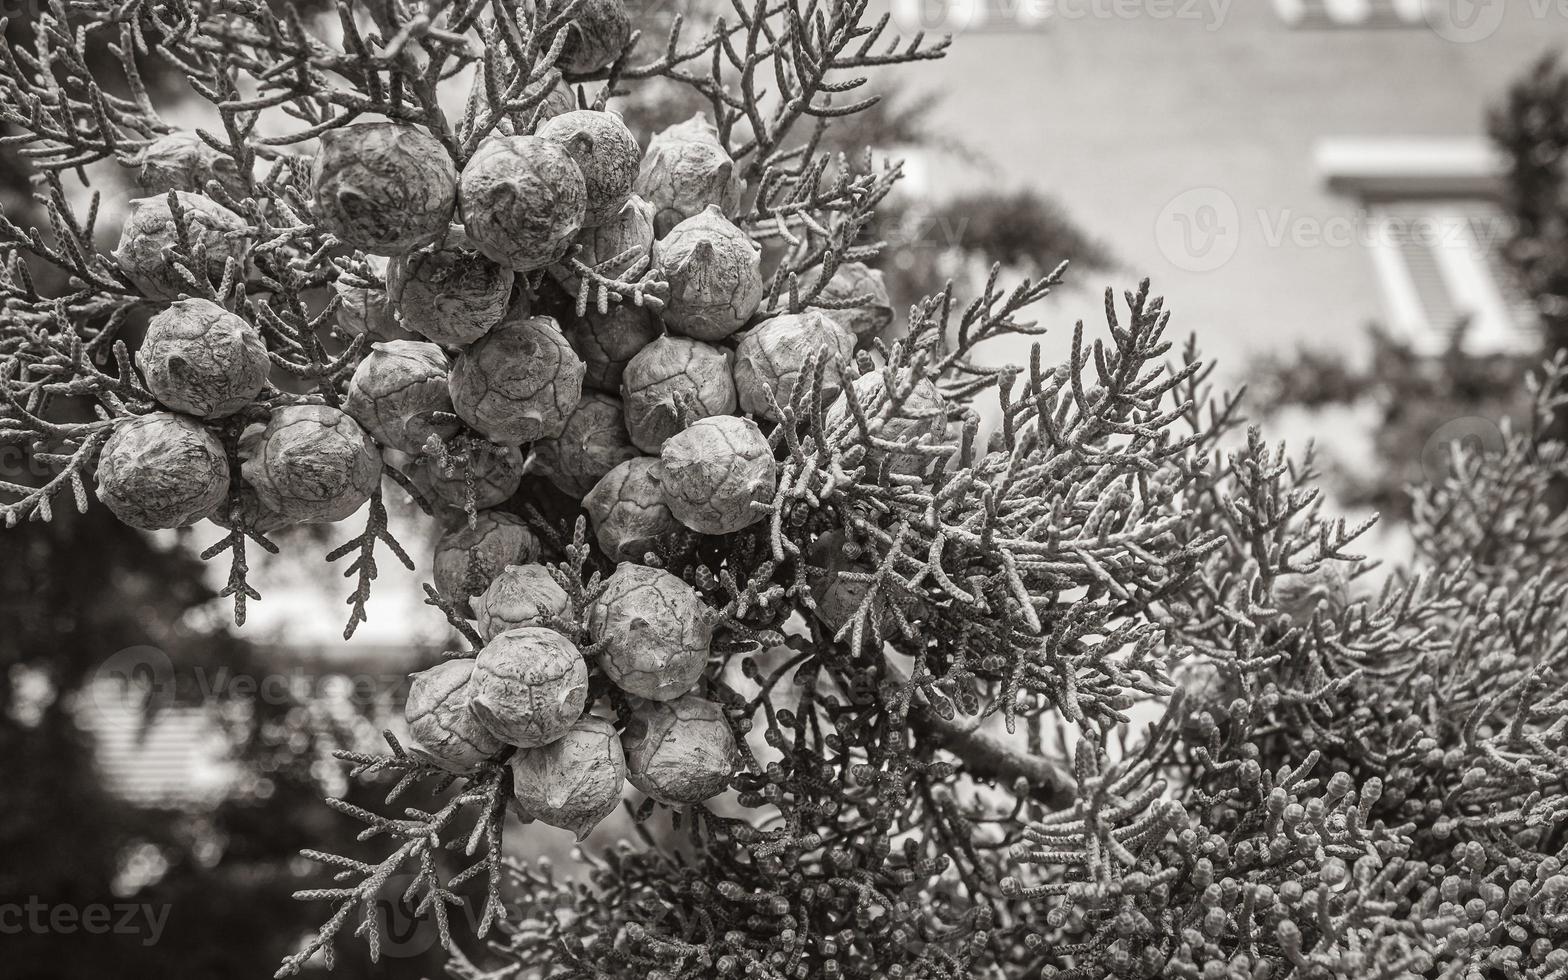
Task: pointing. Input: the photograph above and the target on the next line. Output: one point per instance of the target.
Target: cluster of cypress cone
(478, 372)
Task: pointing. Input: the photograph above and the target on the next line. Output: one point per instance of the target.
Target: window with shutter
(1442, 267)
(1310, 14)
(1437, 315)
(1436, 239)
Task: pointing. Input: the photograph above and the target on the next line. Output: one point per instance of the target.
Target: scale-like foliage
(940, 620)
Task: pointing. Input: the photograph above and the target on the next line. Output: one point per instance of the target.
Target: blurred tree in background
(1531, 127)
(1418, 403)
(209, 874)
(74, 593)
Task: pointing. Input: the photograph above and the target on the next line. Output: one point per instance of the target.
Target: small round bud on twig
(438, 716)
(494, 471)
(715, 471)
(592, 443)
(200, 359)
(519, 382)
(679, 752)
(851, 280)
(607, 154)
(522, 200)
(673, 381)
(629, 233)
(522, 595)
(685, 170)
(385, 188)
(575, 781)
(162, 470)
(469, 556)
(627, 508)
(715, 276)
(151, 233)
(311, 463)
(655, 632)
(529, 686)
(396, 391)
(606, 342)
(183, 161)
(449, 295)
(596, 35)
(772, 355)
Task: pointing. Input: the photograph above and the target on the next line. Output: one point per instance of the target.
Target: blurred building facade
(1286, 171)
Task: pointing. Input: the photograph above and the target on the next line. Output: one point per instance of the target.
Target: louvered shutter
(1351, 13)
(1450, 263)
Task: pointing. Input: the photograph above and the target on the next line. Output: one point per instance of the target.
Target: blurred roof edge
(1410, 166)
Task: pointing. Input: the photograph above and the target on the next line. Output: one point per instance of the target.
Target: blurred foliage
(73, 594)
(1530, 126)
(958, 239)
(1416, 402)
